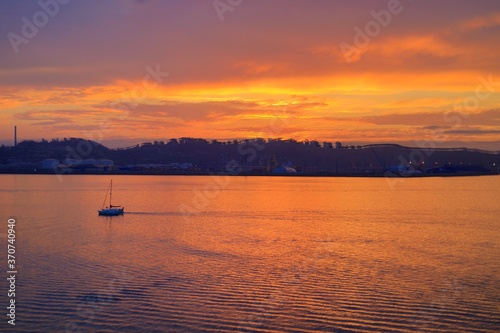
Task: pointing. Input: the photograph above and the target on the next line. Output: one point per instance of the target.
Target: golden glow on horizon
(308, 116)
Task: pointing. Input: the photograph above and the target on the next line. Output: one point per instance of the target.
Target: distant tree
(260, 141)
(314, 143)
(182, 141)
(173, 142)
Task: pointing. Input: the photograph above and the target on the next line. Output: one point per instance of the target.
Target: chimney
(15, 136)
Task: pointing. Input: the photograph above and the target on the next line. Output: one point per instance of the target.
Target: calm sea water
(255, 254)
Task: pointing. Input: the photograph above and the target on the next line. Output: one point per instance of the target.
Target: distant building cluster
(104, 165)
(78, 165)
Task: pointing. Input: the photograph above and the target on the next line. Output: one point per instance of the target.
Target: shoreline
(324, 174)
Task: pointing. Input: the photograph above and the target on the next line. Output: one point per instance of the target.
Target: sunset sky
(413, 72)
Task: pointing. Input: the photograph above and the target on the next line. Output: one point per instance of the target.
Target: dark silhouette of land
(244, 157)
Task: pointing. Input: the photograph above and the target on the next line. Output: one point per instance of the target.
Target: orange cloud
(417, 44)
(480, 22)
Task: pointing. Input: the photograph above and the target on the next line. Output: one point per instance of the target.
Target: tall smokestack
(15, 136)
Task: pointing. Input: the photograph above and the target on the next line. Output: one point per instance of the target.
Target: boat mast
(110, 192)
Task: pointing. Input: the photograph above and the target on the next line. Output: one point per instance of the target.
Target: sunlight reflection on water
(264, 255)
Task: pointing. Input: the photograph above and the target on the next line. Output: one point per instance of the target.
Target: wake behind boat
(111, 210)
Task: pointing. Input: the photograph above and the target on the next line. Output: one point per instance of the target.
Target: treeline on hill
(213, 155)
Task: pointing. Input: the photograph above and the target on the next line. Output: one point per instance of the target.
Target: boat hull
(111, 211)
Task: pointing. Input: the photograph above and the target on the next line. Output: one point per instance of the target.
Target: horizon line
(225, 141)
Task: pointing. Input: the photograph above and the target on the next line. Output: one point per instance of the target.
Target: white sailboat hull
(111, 211)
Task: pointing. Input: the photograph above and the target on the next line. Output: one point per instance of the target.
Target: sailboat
(111, 210)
